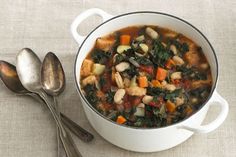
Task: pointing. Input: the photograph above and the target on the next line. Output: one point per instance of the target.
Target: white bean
(178, 60)
(173, 49)
(179, 101)
(122, 66)
(122, 48)
(120, 93)
(163, 83)
(147, 99)
(140, 38)
(141, 105)
(119, 80)
(152, 33)
(170, 87)
(176, 75)
(144, 48)
(140, 112)
(136, 91)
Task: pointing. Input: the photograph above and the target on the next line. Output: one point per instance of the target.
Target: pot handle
(84, 15)
(217, 100)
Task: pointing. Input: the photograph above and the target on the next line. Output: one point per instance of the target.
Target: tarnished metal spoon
(11, 80)
(53, 82)
(28, 68)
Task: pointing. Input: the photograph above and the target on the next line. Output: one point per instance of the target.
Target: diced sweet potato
(86, 68)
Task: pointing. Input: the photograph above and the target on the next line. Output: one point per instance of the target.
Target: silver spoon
(28, 68)
(53, 82)
(11, 80)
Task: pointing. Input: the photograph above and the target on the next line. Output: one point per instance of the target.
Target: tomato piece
(157, 103)
(136, 100)
(127, 106)
(107, 85)
(186, 84)
(176, 82)
(147, 69)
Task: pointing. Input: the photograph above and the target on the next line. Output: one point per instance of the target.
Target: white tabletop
(26, 126)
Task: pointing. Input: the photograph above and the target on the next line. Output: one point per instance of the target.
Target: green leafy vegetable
(91, 96)
(143, 60)
(155, 91)
(191, 73)
(110, 96)
(119, 58)
(172, 95)
(182, 47)
(102, 81)
(160, 53)
(132, 71)
(100, 56)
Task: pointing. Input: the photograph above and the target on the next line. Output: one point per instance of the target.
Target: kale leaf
(143, 60)
(155, 91)
(182, 47)
(172, 95)
(110, 96)
(160, 53)
(91, 96)
(100, 56)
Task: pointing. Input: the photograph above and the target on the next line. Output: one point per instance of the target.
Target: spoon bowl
(28, 68)
(10, 78)
(52, 75)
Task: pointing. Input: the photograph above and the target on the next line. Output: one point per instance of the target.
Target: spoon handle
(76, 129)
(60, 151)
(80, 132)
(67, 141)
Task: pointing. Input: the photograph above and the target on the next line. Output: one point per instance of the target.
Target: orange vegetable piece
(156, 83)
(170, 106)
(125, 39)
(161, 74)
(189, 110)
(143, 81)
(169, 63)
(120, 120)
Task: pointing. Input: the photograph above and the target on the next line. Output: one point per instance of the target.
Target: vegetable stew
(146, 76)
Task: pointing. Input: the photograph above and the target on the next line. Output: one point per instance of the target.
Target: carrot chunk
(161, 74)
(125, 39)
(143, 81)
(169, 63)
(120, 120)
(156, 83)
(170, 106)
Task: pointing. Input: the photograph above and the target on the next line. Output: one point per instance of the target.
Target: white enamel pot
(140, 139)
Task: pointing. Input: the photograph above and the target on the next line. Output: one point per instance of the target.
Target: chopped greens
(110, 96)
(100, 56)
(90, 91)
(160, 53)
